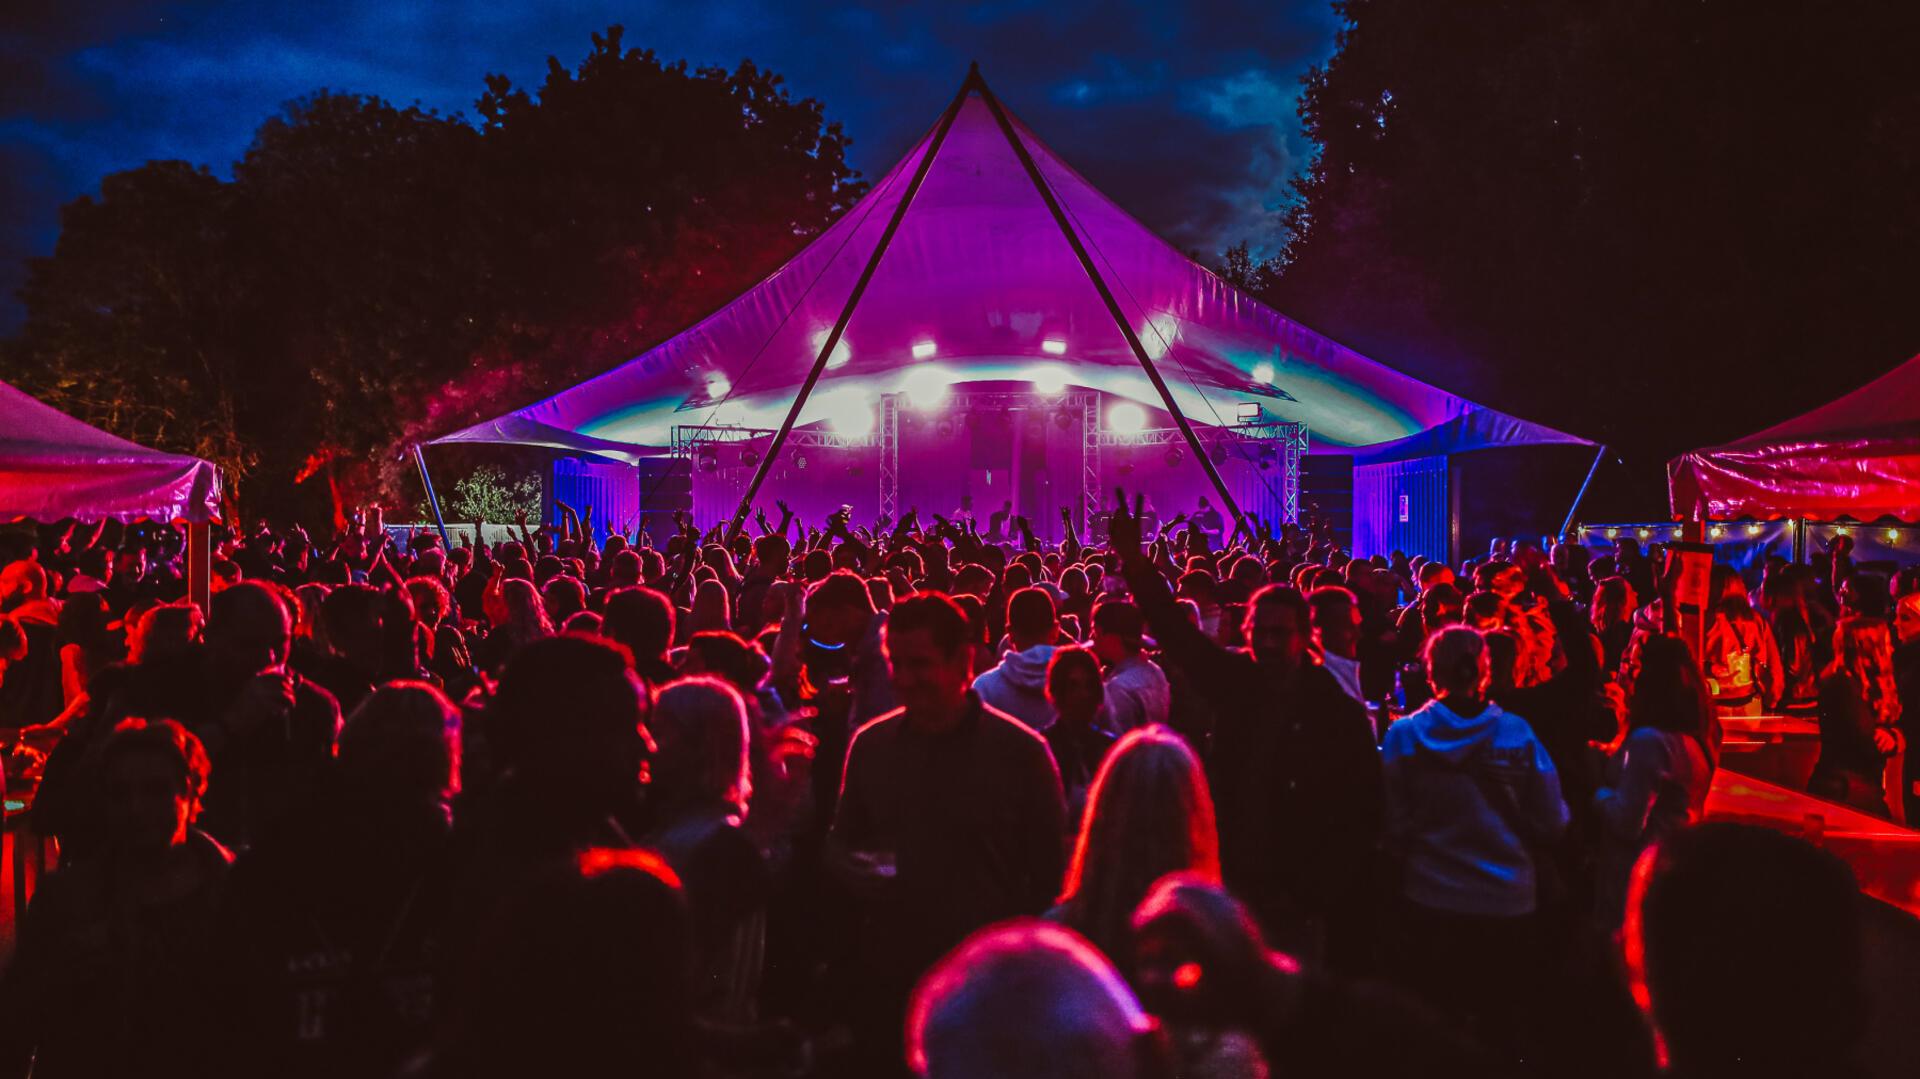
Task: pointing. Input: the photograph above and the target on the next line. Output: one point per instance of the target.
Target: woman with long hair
(1783, 602)
(712, 610)
(699, 796)
(1859, 718)
(1663, 770)
(1149, 813)
(1612, 615)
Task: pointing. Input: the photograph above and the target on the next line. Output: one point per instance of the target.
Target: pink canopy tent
(978, 284)
(981, 257)
(1858, 457)
(53, 467)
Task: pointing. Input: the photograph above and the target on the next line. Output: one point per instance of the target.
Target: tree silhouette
(373, 274)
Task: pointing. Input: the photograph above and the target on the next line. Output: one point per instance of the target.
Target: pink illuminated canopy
(1858, 456)
(979, 284)
(53, 467)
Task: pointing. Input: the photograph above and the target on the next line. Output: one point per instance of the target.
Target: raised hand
(1123, 529)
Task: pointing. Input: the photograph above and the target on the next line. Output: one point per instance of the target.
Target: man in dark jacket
(1295, 775)
(950, 815)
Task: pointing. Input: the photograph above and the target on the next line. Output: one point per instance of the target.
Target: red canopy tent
(1858, 457)
(53, 467)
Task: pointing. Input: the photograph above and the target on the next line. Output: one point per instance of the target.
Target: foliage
(373, 275)
(486, 494)
(1662, 225)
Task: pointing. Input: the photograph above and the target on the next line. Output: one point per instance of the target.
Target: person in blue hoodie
(1017, 685)
(1470, 796)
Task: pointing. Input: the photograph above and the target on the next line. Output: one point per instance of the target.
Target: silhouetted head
(1743, 947)
(1027, 1000)
(571, 716)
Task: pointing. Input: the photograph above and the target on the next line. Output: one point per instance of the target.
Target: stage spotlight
(849, 413)
(709, 461)
(928, 387)
(1049, 380)
(1126, 418)
(1063, 420)
(800, 461)
(1053, 346)
(1218, 453)
(749, 456)
(1174, 457)
(718, 386)
(944, 429)
(923, 349)
(842, 351)
(1263, 372)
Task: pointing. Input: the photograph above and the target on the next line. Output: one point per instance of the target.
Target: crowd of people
(831, 800)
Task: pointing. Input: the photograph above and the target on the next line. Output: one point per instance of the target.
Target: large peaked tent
(978, 281)
(1857, 456)
(53, 467)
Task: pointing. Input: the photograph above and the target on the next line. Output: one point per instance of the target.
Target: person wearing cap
(1136, 688)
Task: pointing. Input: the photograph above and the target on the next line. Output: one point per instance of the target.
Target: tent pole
(853, 300)
(200, 564)
(1113, 306)
(433, 500)
(1566, 525)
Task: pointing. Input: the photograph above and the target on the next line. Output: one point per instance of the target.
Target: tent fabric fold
(53, 467)
(979, 284)
(1857, 456)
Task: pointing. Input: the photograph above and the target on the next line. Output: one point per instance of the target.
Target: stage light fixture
(1126, 418)
(928, 387)
(1218, 453)
(842, 351)
(718, 386)
(749, 456)
(709, 461)
(1893, 535)
(1063, 420)
(1753, 530)
(1716, 532)
(1050, 380)
(1648, 532)
(1053, 346)
(800, 461)
(1174, 457)
(944, 429)
(1613, 533)
(1263, 372)
(923, 349)
(1841, 530)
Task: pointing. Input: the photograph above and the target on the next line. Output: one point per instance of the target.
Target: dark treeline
(372, 271)
(1659, 225)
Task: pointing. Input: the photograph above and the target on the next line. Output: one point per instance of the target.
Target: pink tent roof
(1858, 456)
(979, 284)
(53, 467)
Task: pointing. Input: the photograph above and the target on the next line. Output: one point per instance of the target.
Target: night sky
(1183, 113)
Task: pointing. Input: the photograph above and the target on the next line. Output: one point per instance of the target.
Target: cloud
(1183, 113)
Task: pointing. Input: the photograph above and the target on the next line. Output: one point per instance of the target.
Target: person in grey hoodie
(1018, 684)
(1470, 795)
